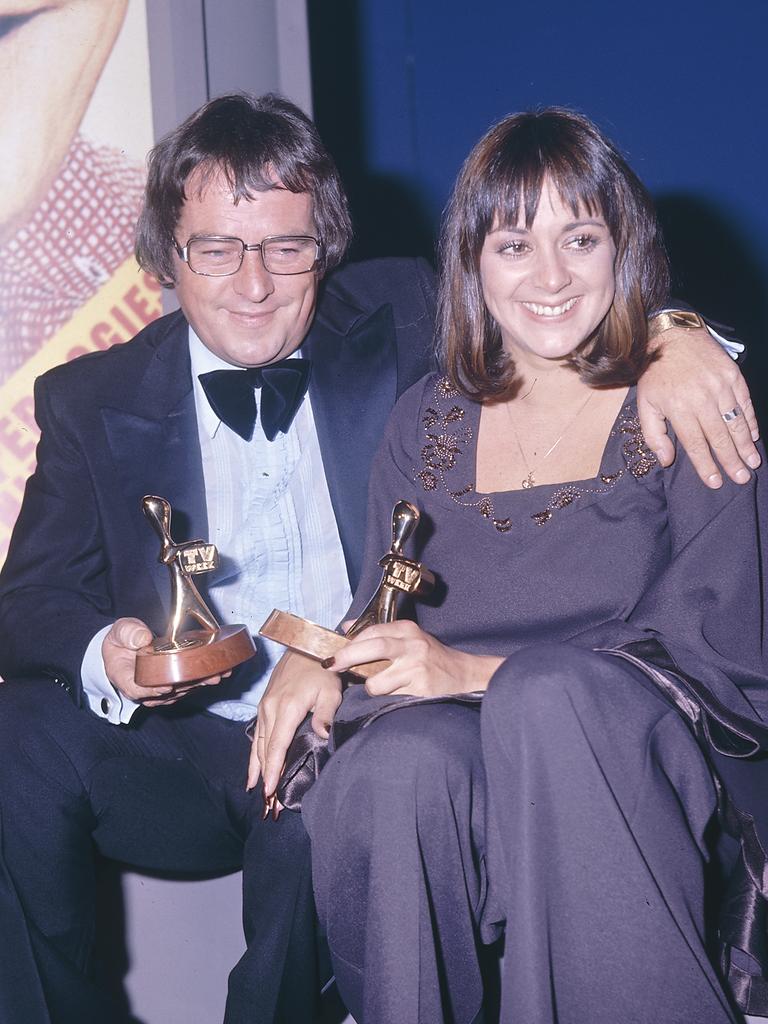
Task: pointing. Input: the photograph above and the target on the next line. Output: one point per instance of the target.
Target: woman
(578, 810)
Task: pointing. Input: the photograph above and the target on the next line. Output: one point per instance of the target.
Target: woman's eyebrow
(584, 223)
(514, 229)
(507, 228)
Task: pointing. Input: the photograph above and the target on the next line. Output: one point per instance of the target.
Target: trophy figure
(181, 656)
(401, 576)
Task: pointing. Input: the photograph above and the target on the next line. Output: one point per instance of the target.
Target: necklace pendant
(528, 483)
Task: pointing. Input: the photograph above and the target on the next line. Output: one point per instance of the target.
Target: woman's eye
(583, 243)
(514, 248)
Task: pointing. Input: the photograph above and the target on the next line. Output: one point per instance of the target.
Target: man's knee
(25, 706)
(42, 733)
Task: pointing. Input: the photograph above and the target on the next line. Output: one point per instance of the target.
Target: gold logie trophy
(401, 576)
(180, 657)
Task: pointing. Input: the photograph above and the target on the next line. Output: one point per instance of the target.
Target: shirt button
(105, 705)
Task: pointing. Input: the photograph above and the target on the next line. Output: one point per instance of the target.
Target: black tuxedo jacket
(119, 424)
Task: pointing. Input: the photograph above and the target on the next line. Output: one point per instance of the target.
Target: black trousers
(574, 813)
(165, 793)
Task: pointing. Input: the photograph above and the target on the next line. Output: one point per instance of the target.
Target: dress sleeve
(708, 606)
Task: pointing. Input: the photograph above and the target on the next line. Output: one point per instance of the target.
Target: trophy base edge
(210, 655)
(313, 641)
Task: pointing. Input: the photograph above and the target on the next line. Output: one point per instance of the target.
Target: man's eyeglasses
(220, 255)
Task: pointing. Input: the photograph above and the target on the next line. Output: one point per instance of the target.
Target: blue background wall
(403, 88)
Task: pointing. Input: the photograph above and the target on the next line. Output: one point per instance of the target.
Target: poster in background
(75, 128)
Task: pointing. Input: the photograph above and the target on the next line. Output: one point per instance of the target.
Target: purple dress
(578, 814)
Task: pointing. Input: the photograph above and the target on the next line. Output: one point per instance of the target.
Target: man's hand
(691, 384)
(297, 686)
(119, 649)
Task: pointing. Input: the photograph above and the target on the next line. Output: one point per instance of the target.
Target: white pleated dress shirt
(270, 516)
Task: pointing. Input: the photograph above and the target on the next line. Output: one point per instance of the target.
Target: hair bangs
(532, 157)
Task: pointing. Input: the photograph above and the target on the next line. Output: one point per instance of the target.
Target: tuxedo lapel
(154, 444)
(352, 390)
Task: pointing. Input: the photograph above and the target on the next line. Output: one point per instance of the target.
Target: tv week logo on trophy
(403, 577)
(199, 557)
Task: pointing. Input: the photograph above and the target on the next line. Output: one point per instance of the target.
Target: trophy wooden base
(198, 654)
(315, 641)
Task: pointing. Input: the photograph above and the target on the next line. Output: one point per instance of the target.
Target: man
(245, 215)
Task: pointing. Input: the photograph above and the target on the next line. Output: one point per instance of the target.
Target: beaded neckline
(448, 439)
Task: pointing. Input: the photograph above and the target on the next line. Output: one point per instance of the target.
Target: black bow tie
(231, 395)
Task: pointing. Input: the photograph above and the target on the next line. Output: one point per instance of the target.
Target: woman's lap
(570, 738)
(598, 804)
(396, 821)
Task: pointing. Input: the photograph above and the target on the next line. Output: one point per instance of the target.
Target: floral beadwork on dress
(638, 456)
(447, 440)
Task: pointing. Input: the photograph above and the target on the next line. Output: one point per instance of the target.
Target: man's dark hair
(254, 142)
(499, 186)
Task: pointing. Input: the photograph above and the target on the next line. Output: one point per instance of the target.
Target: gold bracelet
(687, 319)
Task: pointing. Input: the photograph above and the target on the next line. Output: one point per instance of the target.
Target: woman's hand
(297, 686)
(421, 665)
(691, 384)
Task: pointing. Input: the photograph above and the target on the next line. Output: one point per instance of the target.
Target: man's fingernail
(715, 480)
(755, 435)
(754, 460)
(328, 662)
(743, 476)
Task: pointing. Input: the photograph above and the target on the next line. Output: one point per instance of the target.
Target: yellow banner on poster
(126, 303)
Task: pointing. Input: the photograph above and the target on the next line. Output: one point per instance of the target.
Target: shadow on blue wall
(403, 88)
(390, 215)
(718, 270)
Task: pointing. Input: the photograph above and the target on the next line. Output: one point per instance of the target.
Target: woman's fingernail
(328, 662)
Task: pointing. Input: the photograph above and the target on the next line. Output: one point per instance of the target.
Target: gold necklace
(530, 479)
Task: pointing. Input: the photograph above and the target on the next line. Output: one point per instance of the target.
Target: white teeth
(534, 307)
